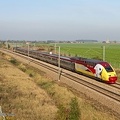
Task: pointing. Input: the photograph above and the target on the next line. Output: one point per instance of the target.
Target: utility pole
(28, 48)
(103, 53)
(34, 47)
(59, 69)
(7, 44)
(55, 48)
(28, 51)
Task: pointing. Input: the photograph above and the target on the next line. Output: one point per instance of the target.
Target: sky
(59, 19)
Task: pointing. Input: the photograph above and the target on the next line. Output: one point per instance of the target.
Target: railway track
(117, 85)
(97, 88)
(112, 92)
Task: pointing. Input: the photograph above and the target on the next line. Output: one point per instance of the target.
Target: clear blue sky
(59, 19)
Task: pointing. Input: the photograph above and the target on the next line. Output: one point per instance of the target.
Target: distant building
(84, 41)
(107, 41)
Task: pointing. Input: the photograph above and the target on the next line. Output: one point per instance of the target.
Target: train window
(108, 69)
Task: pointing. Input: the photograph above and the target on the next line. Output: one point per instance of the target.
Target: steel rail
(97, 88)
(116, 86)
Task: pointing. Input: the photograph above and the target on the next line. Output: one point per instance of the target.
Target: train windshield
(108, 69)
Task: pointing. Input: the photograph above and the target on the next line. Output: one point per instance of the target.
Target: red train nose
(112, 79)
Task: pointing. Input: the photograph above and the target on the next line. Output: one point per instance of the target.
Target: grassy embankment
(30, 95)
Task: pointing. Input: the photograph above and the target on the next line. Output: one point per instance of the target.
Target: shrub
(13, 61)
(69, 113)
(74, 110)
(63, 113)
(22, 67)
(31, 75)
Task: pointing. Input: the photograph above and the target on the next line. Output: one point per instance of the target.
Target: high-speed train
(90, 67)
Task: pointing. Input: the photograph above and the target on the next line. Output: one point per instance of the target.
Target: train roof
(55, 55)
(70, 58)
(77, 59)
(93, 60)
(86, 59)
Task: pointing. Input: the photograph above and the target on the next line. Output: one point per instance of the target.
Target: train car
(96, 68)
(90, 67)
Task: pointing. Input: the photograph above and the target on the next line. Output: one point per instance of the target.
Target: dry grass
(63, 96)
(21, 94)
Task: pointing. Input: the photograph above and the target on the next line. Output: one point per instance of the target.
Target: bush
(69, 113)
(48, 86)
(63, 113)
(74, 110)
(13, 61)
(22, 67)
(31, 75)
